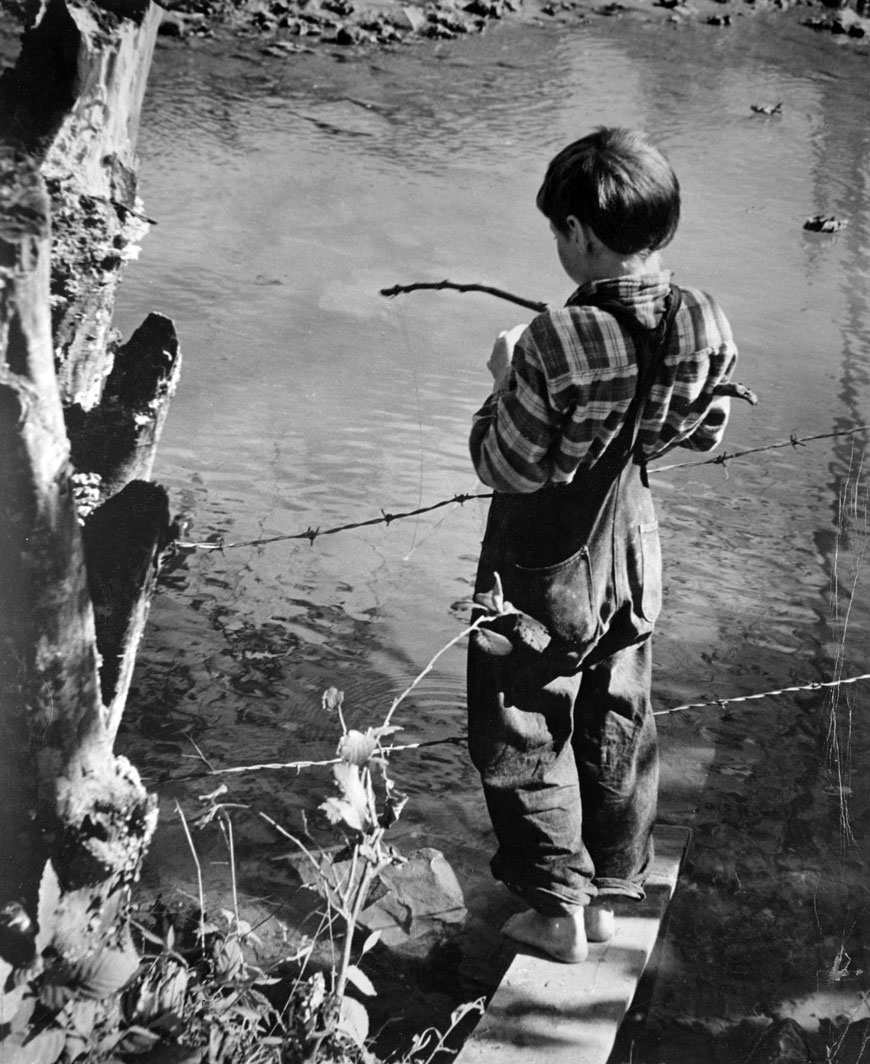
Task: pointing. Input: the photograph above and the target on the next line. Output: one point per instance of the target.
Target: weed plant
(164, 990)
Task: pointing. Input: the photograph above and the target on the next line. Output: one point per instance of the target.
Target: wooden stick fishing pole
(438, 286)
(733, 391)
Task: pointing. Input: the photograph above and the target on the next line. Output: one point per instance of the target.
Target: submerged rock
(422, 896)
(783, 1042)
(413, 900)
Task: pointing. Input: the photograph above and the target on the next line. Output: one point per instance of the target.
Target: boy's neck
(610, 264)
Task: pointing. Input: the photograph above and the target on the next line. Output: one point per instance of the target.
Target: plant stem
(198, 876)
(350, 926)
(465, 632)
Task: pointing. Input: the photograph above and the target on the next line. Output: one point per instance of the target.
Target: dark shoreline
(351, 27)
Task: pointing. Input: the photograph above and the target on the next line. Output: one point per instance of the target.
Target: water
(287, 194)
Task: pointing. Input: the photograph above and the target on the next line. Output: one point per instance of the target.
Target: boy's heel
(600, 922)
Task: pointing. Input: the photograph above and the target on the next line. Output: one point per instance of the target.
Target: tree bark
(75, 581)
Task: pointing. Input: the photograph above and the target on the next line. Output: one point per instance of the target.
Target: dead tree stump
(76, 407)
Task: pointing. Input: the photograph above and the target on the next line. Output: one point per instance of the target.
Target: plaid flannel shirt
(573, 376)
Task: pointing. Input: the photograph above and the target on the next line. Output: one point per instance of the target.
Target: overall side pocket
(649, 579)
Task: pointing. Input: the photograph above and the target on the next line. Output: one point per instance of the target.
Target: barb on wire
(459, 499)
(396, 748)
(792, 441)
(313, 533)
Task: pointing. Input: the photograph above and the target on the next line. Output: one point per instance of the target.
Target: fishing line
(425, 539)
(403, 326)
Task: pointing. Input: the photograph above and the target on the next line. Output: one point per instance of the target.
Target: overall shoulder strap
(651, 346)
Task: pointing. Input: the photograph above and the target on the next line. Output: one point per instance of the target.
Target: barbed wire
(459, 499)
(311, 534)
(816, 685)
(459, 740)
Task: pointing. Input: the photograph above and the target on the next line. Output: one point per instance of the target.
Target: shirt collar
(642, 293)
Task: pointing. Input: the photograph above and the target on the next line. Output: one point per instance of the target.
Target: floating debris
(845, 22)
(821, 223)
(766, 108)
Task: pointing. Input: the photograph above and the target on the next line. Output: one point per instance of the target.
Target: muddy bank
(288, 27)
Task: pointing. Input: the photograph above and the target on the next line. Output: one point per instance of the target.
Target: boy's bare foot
(599, 921)
(561, 937)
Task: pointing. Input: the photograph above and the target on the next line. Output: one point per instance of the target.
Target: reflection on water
(288, 194)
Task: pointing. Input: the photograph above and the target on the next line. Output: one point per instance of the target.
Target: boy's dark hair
(617, 183)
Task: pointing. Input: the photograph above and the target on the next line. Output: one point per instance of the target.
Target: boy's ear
(580, 233)
(573, 227)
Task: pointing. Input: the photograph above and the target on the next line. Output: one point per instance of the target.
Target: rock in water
(783, 1042)
(422, 896)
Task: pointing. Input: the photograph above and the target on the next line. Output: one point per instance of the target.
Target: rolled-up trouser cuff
(548, 901)
(619, 888)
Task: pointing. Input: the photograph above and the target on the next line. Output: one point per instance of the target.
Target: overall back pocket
(561, 596)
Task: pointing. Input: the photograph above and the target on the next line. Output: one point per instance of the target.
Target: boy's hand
(499, 362)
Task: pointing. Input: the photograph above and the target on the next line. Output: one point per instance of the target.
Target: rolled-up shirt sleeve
(696, 417)
(709, 432)
(573, 377)
(513, 432)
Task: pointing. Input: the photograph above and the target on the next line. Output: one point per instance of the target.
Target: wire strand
(456, 740)
(311, 534)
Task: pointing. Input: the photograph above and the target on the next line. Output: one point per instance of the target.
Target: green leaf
(5, 972)
(340, 812)
(356, 748)
(55, 995)
(49, 898)
(360, 980)
(10, 1002)
(21, 1019)
(385, 729)
(105, 973)
(45, 1048)
(353, 1020)
(354, 804)
(370, 942)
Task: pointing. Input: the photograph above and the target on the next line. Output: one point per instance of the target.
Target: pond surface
(288, 193)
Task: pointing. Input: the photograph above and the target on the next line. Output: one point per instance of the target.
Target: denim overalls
(565, 741)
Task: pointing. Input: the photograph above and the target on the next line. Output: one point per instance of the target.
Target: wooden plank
(555, 1013)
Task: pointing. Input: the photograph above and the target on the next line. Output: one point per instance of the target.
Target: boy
(565, 740)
